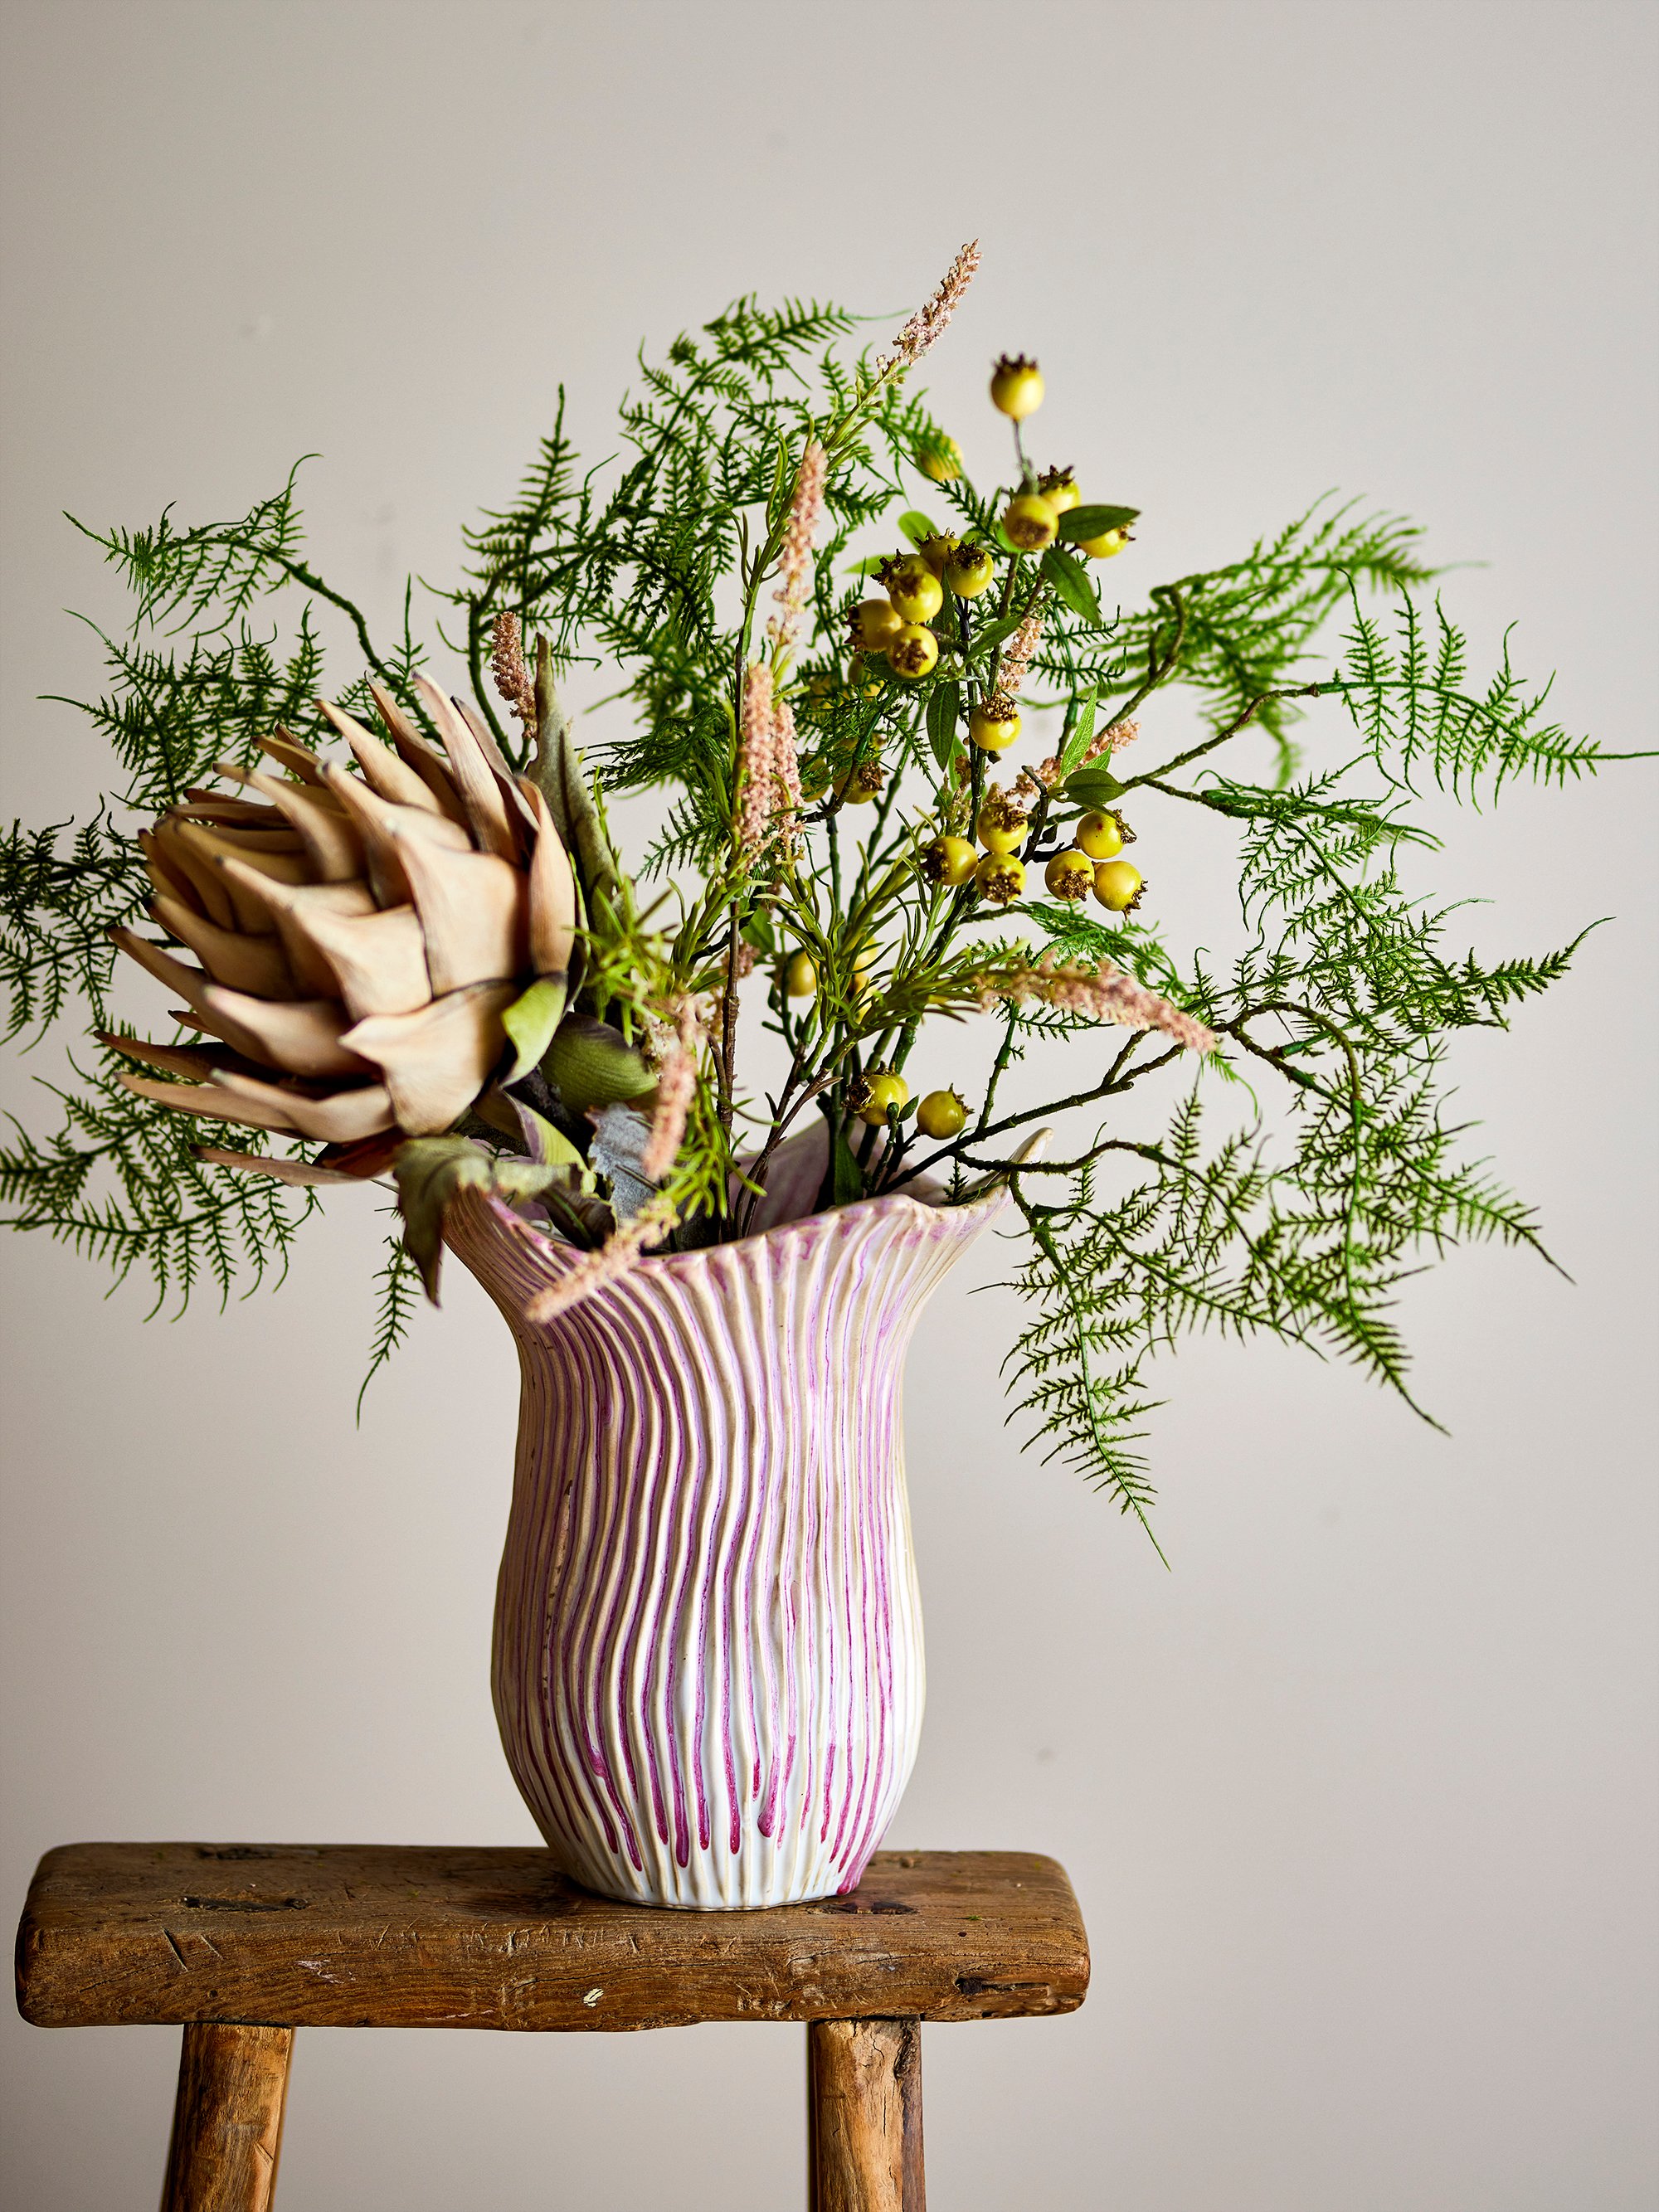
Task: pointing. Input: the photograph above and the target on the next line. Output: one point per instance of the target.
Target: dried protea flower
(377, 948)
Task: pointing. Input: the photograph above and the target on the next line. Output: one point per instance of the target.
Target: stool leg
(227, 2121)
(864, 2116)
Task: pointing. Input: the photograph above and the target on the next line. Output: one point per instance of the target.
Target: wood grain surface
(227, 2122)
(864, 2116)
(380, 1935)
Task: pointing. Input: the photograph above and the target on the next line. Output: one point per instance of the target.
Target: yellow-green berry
(939, 459)
(861, 784)
(1059, 488)
(1070, 875)
(881, 1089)
(995, 723)
(800, 977)
(1001, 878)
(1118, 886)
(1102, 836)
(1017, 386)
(915, 652)
(949, 860)
(941, 1114)
(968, 570)
(1029, 522)
(874, 624)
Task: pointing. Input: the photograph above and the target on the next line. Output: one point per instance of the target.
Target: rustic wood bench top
(384, 1936)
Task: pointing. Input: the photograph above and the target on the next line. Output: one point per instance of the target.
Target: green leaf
(429, 1170)
(917, 525)
(530, 1022)
(1083, 730)
(992, 635)
(944, 717)
(873, 566)
(553, 1148)
(1072, 586)
(1092, 786)
(591, 1063)
(846, 1183)
(557, 769)
(1081, 522)
(758, 931)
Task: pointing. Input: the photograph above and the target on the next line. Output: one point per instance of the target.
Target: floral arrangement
(911, 759)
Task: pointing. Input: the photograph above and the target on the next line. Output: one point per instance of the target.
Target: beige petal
(285, 749)
(345, 1117)
(193, 1063)
(552, 892)
(221, 852)
(369, 816)
(424, 759)
(301, 1037)
(285, 902)
(172, 882)
(437, 1061)
(331, 840)
(241, 837)
(210, 1099)
(212, 893)
(380, 825)
(383, 770)
(215, 1025)
(472, 909)
(485, 807)
(500, 767)
(247, 963)
(231, 813)
(192, 986)
(377, 960)
(289, 1171)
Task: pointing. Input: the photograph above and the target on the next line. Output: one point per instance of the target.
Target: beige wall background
(1359, 1799)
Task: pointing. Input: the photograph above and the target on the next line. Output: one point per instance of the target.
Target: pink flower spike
(1103, 994)
(756, 740)
(795, 561)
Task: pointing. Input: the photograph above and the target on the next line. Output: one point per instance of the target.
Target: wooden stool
(242, 1943)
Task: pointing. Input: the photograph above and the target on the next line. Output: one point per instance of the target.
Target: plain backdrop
(1359, 1798)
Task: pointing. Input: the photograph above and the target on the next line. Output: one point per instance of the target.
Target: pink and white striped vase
(707, 1656)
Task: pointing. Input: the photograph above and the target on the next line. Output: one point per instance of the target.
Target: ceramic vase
(707, 1663)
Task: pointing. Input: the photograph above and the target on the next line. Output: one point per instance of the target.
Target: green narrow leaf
(944, 718)
(917, 525)
(872, 566)
(992, 635)
(1081, 522)
(1072, 586)
(1082, 730)
(758, 931)
(847, 1183)
(1092, 786)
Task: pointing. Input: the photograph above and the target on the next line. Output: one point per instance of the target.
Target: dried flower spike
(621, 1250)
(1017, 661)
(927, 326)
(1103, 993)
(512, 677)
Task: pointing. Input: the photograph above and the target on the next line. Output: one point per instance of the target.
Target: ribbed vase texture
(708, 1655)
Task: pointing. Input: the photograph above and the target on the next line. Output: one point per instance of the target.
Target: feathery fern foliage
(1285, 1183)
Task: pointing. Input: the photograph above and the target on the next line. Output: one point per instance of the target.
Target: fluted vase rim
(965, 1216)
